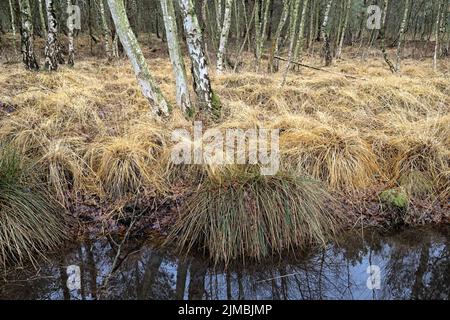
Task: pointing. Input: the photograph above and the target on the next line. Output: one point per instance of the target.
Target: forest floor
(90, 133)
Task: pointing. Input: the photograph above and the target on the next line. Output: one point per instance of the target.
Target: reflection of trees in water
(421, 271)
(415, 265)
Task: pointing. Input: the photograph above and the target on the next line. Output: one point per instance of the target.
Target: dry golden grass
(339, 157)
(88, 130)
(124, 166)
(348, 133)
(238, 214)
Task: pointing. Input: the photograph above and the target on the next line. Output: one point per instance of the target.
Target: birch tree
(261, 28)
(292, 33)
(273, 63)
(105, 29)
(348, 8)
(224, 35)
(383, 37)
(26, 33)
(150, 90)
(218, 4)
(202, 83)
(13, 25)
(51, 47)
(301, 31)
(326, 50)
(439, 19)
(176, 57)
(70, 25)
(401, 34)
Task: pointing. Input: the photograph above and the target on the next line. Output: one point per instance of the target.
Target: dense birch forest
(114, 116)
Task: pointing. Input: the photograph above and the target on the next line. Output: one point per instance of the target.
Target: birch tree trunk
(273, 63)
(437, 33)
(383, 37)
(51, 47)
(224, 35)
(261, 29)
(105, 29)
(70, 25)
(150, 90)
(344, 29)
(326, 50)
(42, 19)
(176, 57)
(257, 32)
(301, 31)
(292, 33)
(26, 33)
(218, 4)
(13, 25)
(202, 83)
(400, 36)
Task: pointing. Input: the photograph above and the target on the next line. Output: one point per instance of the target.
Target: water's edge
(409, 264)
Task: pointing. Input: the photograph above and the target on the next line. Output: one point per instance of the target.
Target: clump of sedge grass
(420, 163)
(124, 166)
(61, 167)
(246, 215)
(339, 157)
(31, 222)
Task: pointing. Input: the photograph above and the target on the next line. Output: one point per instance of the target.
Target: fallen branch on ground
(320, 69)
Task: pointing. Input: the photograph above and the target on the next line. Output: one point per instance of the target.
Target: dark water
(411, 264)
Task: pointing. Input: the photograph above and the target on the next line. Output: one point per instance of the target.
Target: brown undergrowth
(92, 140)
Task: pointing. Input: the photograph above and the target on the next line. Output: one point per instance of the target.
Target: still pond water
(405, 265)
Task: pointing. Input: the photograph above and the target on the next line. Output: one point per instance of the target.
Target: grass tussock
(62, 168)
(31, 222)
(244, 214)
(420, 163)
(124, 166)
(339, 157)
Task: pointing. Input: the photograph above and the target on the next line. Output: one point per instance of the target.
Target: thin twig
(320, 69)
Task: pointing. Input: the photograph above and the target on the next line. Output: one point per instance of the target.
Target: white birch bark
(383, 37)
(71, 58)
(344, 28)
(326, 50)
(301, 31)
(400, 36)
(218, 4)
(27, 47)
(202, 83)
(149, 88)
(292, 33)
(261, 28)
(437, 34)
(224, 35)
(51, 47)
(176, 57)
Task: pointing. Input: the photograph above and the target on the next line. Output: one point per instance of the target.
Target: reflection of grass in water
(244, 214)
(30, 221)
